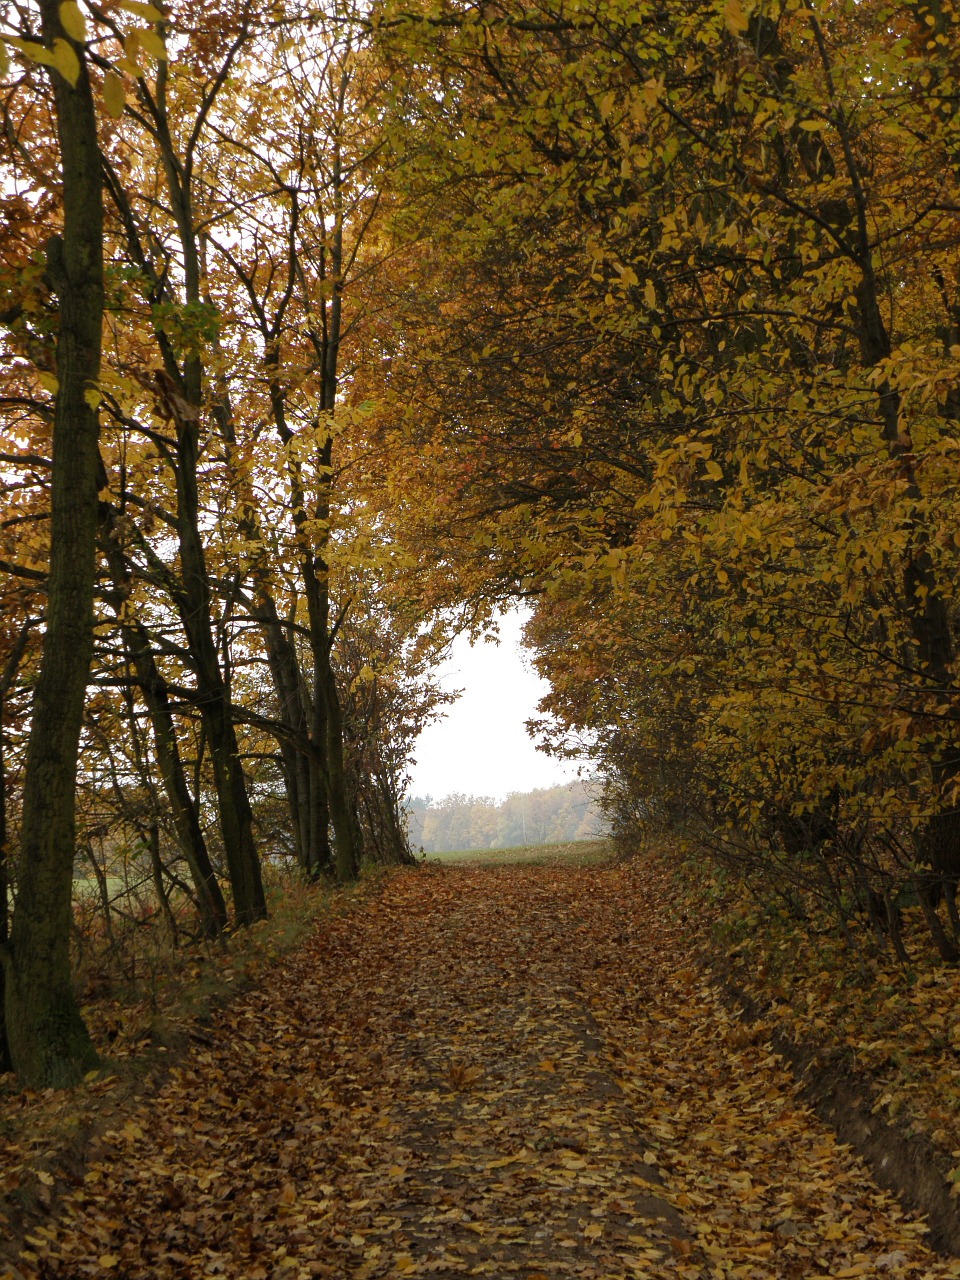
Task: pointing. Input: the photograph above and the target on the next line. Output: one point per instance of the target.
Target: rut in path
(482, 1071)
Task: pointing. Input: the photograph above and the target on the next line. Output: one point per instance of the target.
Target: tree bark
(303, 771)
(48, 1039)
(9, 675)
(153, 689)
(6, 1062)
(186, 821)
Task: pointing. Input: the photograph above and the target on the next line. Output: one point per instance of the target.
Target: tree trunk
(182, 391)
(186, 821)
(303, 771)
(348, 853)
(319, 854)
(6, 1063)
(48, 1039)
(194, 605)
(156, 870)
(153, 689)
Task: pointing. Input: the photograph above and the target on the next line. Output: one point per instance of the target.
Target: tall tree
(182, 397)
(48, 1039)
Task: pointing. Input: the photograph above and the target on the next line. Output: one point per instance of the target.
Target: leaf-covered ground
(481, 1071)
(896, 1027)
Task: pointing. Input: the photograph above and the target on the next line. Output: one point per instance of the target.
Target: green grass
(87, 886)
(580, 853)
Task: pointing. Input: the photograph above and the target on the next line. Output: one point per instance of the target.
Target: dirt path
(484, 1071)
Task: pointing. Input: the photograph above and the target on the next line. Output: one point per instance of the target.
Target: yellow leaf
(45, 1178)
(502, 1164)
(114, 95)
(93, 397)
(148, 11)
(107, 1260)
(547, 1065)
(34, 51)
(66, 61)
(48, 382)
(593, 1231)
(153, 43)
(4, 59)
(650, 294)
(72, 21)
(734, 16)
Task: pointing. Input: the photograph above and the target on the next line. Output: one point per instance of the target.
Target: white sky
(480, 747)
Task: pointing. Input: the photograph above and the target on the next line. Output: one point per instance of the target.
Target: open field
(581, 853)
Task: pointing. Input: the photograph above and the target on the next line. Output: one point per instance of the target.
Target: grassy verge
(893, 1027)
(141, 1028)
(577, 853)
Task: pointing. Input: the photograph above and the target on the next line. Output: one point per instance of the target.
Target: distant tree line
(545, 816)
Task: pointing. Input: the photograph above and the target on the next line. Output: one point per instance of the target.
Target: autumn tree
(228, 490)
(690, 370)
(170, 119)
(46, 1036)
(305, 268)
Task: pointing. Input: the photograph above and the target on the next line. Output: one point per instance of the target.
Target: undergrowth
(142, 1015)
(896, 1024)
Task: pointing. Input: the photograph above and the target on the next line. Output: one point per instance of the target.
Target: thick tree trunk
(49, 1042)
(236, 816)
(348, 853)
(6, 1063)
(319, 855)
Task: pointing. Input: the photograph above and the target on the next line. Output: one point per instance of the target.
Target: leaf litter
(481, 1071)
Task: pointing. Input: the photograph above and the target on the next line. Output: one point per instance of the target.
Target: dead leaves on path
(767, 1188)
(481, 1072)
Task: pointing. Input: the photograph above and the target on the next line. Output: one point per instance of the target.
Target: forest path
(490, 1071)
